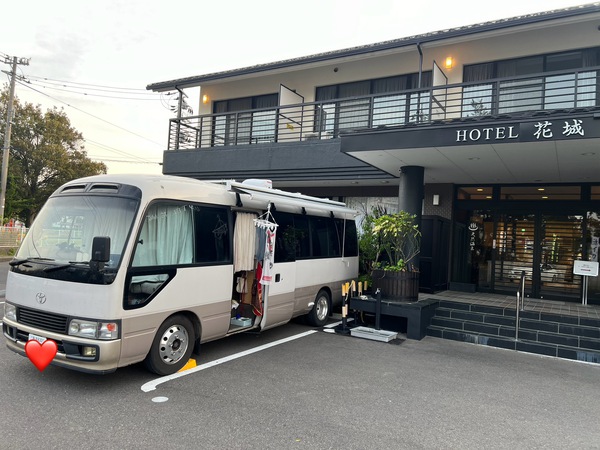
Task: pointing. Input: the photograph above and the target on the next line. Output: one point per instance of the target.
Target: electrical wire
(89, 84)
(77, 88)
(138, 160)
(89, 114)
(87, 94)
(124, 161)
(121, 152)
(83, 88)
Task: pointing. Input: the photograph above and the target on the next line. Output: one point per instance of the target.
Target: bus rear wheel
(172, 346)
(318, 315)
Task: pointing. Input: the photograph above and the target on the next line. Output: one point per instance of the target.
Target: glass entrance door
(560, 244)
(544, 247)
(514, 253)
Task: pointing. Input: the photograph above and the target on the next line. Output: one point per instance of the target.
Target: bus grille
(43, 320)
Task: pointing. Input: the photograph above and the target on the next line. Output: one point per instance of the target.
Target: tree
(46, 151)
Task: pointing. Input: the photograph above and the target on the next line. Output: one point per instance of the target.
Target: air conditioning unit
(258, 182)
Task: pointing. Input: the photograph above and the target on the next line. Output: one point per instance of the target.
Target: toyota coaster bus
(118, 269)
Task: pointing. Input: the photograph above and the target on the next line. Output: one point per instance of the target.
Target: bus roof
(226, 192)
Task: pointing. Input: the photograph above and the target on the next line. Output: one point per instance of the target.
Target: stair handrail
(520, 302)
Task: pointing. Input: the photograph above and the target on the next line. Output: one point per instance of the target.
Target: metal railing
(11, 237)
(501, 97)
(520, 302)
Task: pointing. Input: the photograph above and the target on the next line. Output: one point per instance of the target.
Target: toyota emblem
(40, 297)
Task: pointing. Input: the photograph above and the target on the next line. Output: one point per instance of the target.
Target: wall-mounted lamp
(205, 99)
(449, 63)
(436, 199)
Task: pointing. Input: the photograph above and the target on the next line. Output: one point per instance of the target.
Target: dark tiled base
(545, 328)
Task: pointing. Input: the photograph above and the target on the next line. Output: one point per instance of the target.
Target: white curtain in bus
(244, 242)
(167, 236)
(105, 221)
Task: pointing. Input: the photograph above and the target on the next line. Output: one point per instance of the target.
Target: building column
(410, 195)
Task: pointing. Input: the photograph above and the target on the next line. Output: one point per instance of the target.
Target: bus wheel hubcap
(173, 344)
(322, 308)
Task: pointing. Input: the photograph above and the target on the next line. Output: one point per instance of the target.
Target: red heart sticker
(41, 354)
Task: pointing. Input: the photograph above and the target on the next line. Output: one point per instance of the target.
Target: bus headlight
(10, 311)
(93, 329)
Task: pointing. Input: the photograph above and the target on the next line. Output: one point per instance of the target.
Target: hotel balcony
(540, 95)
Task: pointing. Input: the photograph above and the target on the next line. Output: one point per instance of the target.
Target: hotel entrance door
(513, 252)
(543, 246)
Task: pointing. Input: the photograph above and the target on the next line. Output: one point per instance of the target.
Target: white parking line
(151, 385)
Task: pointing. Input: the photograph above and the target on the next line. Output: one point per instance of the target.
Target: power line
(86, 87)
(89, 114)
(124, 161)
(116, 150)
(89, 84)
(87, 94)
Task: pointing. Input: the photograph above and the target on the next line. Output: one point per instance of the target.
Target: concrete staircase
(562, 336)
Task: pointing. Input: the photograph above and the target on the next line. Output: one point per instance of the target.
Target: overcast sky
(95, 58)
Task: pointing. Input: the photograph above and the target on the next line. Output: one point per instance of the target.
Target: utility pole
(9, 118)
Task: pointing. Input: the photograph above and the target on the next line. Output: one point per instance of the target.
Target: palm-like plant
(399, 240)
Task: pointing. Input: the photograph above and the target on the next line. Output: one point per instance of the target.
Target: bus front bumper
(71, 352)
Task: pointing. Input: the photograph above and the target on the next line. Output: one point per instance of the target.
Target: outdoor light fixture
(205, 99)
(449, 62)
(436, 199)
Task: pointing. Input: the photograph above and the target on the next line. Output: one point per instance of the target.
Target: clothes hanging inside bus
(267, 229)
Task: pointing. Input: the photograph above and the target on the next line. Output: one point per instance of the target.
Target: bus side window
(325, 240)
(285, 238)
(302, 235)
(212, 234)
(142, 288)
(347, 233)
(166, 237)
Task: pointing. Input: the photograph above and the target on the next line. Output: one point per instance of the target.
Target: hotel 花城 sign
(543, 130)
(483, 133)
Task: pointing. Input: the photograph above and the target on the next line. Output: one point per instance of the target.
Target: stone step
(562, 336)
(505, 326)
(523, 345)
(527, 314)
(532, 335)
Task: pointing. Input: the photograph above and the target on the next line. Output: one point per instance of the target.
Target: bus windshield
(64, 229)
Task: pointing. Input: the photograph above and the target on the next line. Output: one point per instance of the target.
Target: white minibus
(118, 269)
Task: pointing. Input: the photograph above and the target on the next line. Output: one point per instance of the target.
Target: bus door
(279, 294)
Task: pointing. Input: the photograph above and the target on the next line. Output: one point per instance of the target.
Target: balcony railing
(327, 119)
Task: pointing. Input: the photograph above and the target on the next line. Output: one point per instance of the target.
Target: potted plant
(398, 241)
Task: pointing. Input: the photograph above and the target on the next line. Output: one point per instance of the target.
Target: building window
(542, 193)
(525, 193)
(249, 120)
(562, 90)
(364, 104)
(474, 193)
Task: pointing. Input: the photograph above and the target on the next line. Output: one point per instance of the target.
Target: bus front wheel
(172, 346)
(318, 315)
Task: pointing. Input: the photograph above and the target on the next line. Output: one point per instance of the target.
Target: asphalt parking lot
(307, 388)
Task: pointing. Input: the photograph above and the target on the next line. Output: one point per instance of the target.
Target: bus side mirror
(101, 249)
